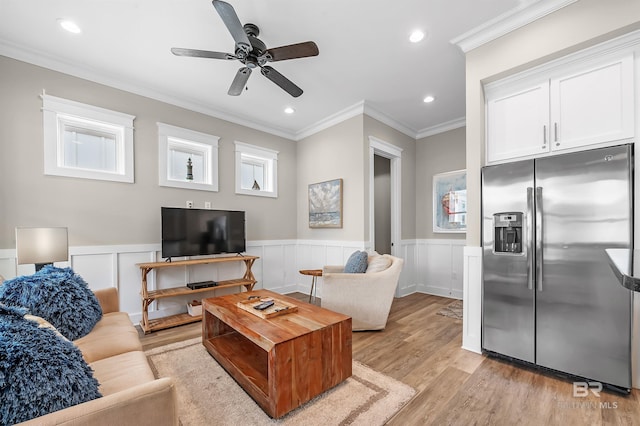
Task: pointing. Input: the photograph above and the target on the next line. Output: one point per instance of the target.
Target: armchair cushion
(378, 263)
(357, 263)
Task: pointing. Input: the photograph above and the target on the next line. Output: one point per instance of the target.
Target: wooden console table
(281, 362)
(148, 296)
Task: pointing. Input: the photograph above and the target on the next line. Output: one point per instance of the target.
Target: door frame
(394, 154)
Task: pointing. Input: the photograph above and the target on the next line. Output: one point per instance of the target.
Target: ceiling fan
(252, 52)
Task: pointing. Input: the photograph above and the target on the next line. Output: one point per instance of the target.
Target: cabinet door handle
(544, 136)
(555, 132)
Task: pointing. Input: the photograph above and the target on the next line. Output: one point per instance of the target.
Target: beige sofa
(131, 395)
(366, 297)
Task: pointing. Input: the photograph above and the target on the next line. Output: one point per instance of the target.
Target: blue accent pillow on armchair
(58, 295)
(357, 263)
(40, 372)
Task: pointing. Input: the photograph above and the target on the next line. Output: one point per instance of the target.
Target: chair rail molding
(431, 266)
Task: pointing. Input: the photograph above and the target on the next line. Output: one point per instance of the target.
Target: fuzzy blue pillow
(58, 295)
(357, 263)
(40, 372)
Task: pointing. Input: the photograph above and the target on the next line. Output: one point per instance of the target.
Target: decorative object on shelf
(41, 246)
(325, 204)
(255, 186)
(450, 201)
(189, 169)
(194, 308)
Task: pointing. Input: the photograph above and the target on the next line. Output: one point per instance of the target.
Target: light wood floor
(455, 386)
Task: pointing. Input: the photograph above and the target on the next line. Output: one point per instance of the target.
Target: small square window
(85, 141)
(187, 159)
(256, 170)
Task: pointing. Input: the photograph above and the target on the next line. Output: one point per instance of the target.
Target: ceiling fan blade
(230, 19)
(293, 51)
(240, 80)
(281, 81)
(178, 51)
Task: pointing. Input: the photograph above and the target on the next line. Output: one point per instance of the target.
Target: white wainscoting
(431, 266)
(472, 309)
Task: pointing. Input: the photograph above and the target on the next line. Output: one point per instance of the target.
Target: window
(187, 159)
(85, 141)
(256, 170)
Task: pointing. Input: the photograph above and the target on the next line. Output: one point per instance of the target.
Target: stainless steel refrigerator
(549, 295)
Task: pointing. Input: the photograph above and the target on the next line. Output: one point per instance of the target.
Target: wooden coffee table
(281, 362)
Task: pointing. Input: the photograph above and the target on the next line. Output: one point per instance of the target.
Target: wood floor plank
(454, 386)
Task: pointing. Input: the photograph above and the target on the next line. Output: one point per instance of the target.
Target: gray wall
(99, 212)
(330, 154)
(441, 153)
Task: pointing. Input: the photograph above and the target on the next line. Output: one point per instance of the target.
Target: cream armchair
(366, 298)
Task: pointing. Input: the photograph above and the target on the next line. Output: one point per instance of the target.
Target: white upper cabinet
(560, 108)
(593, 106)
(517, 123)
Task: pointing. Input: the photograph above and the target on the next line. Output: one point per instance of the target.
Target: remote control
(264, 305)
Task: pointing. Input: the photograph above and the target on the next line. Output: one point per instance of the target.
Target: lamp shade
(41, 245)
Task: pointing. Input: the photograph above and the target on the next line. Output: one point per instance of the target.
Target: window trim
(59, 112)
(269, 157)
(171, 136)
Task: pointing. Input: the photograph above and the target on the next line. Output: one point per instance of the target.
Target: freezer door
(507, 291)
(583, 320)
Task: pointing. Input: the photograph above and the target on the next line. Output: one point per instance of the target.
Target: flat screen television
(195, 232)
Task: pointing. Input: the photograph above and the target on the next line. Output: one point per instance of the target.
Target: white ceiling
(365, 57)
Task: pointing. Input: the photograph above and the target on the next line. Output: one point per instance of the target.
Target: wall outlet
(207, 204)
(189, 204)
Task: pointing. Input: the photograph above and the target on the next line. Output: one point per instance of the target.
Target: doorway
(389, 158)
(382, 204)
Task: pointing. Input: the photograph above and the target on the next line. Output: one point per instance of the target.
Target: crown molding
(354, 110)
(529, 11)
(385, 119)
(330, 121)
(441, 128)
(46, 60)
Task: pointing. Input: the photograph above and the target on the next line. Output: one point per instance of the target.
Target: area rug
(207, 395)
(452, 310)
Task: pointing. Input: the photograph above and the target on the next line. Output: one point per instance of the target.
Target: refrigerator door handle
(538, 206)
(530, 237)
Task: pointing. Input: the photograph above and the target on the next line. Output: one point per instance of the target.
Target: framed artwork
(325, 204)
(450, 202)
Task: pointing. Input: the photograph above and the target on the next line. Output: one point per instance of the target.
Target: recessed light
(428, 99)
(70, 26)
(416, 36)
(289, 110)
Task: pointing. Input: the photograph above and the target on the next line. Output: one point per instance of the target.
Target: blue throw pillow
(40, 372)
(357, 263)
(58, 295)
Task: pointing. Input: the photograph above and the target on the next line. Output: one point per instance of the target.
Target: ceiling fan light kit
(252, 52)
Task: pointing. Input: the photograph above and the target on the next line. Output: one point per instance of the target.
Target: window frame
(265, 156)
(169, 137)
(60, 113)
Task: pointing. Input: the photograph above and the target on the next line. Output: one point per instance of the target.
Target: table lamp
(41, 246)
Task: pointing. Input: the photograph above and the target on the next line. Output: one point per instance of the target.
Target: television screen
(193, 232)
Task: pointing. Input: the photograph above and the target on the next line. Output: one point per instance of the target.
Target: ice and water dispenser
(507, 229)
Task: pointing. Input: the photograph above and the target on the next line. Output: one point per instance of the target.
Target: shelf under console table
(149, 296)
